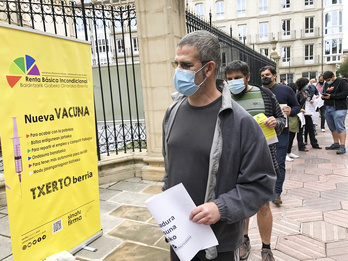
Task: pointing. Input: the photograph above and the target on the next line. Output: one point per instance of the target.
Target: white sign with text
(171, 210)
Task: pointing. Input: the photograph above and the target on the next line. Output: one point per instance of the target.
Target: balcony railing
(263, 38)
(308, 33)
(287, 35)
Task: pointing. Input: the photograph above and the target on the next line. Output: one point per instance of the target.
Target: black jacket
(338, 97)
(302, 98)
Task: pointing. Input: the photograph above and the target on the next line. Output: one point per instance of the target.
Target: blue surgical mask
(184, 81)
(330, 82)
(236, 86)
(306, 87)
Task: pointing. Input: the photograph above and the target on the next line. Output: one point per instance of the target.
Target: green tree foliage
(343, 70)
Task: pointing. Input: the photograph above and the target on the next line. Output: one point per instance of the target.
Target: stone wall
(119, 167)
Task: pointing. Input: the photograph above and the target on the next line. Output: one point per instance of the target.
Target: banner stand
(84, 244)
(48, 132)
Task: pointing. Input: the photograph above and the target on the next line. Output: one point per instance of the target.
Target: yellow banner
(49, 146)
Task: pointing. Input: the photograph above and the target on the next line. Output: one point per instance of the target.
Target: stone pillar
(161, 24)
(275, 56)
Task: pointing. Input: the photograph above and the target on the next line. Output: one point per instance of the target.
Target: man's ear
(210, 69)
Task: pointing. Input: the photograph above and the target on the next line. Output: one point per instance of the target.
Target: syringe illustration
(17, 152)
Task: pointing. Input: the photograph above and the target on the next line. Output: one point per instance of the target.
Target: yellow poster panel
(49, 146)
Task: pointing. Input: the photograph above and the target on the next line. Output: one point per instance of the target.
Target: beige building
(309, 33)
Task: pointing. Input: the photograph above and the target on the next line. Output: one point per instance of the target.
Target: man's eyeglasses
(184, 65)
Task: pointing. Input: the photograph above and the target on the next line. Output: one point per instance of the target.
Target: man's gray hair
(208, 47)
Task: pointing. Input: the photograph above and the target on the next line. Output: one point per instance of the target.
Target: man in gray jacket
(214, 147)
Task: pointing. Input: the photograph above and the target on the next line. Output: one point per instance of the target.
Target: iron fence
(112, 32)
(1, 164)
(232, 49)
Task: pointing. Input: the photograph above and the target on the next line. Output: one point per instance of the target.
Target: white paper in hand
(171, 210)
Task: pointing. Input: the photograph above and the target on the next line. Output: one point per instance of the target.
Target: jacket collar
(226, 95)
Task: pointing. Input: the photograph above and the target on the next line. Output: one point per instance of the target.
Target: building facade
(113, 36)
(308, 33)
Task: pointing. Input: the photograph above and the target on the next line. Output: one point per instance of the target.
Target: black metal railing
(232, 49)
(112, 31)
(1, 164)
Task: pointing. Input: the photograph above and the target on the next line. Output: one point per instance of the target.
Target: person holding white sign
(290, 107)
(306, 102)
(214, 147)
(313, 94)
(294, 124)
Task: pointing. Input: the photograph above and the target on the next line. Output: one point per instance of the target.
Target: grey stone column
(161, 24)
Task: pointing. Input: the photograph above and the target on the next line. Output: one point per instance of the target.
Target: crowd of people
(326, 99)
(213, 145)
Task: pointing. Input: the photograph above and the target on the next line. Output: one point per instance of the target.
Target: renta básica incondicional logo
(21, 67)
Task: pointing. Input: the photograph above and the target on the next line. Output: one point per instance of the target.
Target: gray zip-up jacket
(241, 176)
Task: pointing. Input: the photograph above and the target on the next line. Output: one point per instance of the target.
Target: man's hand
(207, 214)
(271, 122)
(287, 110)
(326, 96)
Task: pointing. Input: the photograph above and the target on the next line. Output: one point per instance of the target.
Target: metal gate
(112, 32)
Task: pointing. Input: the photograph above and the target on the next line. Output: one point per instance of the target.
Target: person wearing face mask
(255, 100)
(283, 81)
(207, 146)
(303, 96)
(335, 94)
(312, 92)
(290, 107)
(319, 87)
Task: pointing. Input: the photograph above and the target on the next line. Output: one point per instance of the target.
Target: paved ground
(311, 224)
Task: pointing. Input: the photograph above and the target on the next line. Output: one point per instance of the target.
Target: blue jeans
(282, 147)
